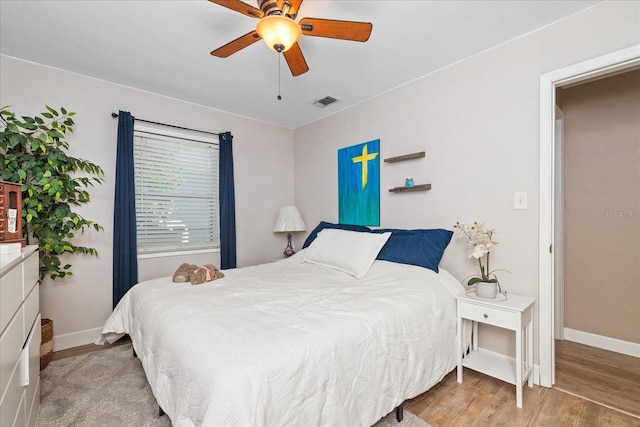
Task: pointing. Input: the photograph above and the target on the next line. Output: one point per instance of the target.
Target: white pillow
(349, 251)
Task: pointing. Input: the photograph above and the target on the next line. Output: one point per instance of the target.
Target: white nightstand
(516, 314)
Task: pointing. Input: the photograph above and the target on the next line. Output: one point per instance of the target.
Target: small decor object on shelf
(11, 213)
(480, 245)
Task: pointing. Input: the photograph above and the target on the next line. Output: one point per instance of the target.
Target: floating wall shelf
(405, 157)
(421, 187)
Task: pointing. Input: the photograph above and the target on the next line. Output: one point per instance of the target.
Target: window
(176, 180)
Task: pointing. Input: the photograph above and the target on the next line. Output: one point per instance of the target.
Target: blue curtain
(227, 204)
(125, 261)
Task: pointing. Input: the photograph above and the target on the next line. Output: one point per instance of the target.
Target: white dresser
(20, 339)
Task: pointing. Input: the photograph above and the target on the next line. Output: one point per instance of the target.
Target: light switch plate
(520, 200)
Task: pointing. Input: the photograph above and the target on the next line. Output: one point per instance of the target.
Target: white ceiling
(163, 47)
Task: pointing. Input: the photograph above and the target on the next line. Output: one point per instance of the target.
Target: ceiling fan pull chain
(279, 97)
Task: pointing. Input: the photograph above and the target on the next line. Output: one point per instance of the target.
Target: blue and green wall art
(359, 184)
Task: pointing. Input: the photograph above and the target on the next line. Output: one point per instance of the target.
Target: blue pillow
(323, 225)
(423, 248)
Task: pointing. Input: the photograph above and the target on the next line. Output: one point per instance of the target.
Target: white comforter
(291, 343)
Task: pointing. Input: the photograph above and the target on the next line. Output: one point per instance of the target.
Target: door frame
(591, 69)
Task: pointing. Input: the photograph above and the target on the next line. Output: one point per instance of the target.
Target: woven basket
(46, 345)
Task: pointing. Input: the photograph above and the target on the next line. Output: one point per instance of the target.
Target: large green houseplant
(33, 153)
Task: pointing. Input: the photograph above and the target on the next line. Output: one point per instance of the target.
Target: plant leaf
(474, 280)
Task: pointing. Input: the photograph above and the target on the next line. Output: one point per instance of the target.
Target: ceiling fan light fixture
(278, 32)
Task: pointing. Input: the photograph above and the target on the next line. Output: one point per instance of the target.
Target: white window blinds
(176, 193)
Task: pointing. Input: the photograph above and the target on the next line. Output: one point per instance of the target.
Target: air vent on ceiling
(321, 103)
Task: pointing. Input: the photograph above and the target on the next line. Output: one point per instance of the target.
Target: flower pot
(487, 290)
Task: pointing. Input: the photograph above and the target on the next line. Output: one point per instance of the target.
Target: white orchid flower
(479, 251)
(480, 244)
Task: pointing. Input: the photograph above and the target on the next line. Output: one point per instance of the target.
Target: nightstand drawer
(489, 315)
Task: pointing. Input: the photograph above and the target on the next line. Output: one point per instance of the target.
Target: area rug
(108, 388)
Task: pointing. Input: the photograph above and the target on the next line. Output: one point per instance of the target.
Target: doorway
(612, 63)
(598, 213)
(598, 218)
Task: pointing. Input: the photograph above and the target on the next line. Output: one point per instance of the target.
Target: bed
(294, 342)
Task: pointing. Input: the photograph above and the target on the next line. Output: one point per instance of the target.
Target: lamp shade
(289, 219)
(278, 32)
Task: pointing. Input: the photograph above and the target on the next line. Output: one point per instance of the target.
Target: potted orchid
(480, 245)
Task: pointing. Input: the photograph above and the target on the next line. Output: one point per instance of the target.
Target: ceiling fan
(277, 27)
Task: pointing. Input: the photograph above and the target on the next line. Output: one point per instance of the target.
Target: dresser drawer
(34, 372)
(489, 315)
(12, 407)
(32, 416)
(30, 273)
(10, 296)
(31, 309)
(11, 343)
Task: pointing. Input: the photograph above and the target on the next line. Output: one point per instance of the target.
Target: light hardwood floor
(609, 378)
(484, 401)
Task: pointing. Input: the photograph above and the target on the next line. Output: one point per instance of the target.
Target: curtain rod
(115, 115)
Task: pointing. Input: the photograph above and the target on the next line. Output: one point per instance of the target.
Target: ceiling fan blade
(237, 44)
(240, 6)
(295, 60)
(293, 10)
(331, 28)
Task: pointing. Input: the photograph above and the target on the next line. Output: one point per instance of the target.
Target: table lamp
(289, 220)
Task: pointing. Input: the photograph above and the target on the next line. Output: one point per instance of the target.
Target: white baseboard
(605, 343)
(76, 339)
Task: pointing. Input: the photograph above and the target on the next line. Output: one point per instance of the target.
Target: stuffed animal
(206, 273)
(183, 273)
(196, 274)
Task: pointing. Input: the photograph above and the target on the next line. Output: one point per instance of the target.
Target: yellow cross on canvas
(364, 158)
(359, 184)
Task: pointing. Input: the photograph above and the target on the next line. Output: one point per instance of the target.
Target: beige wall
(263, 166)
(602, 207)
(478, 121)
